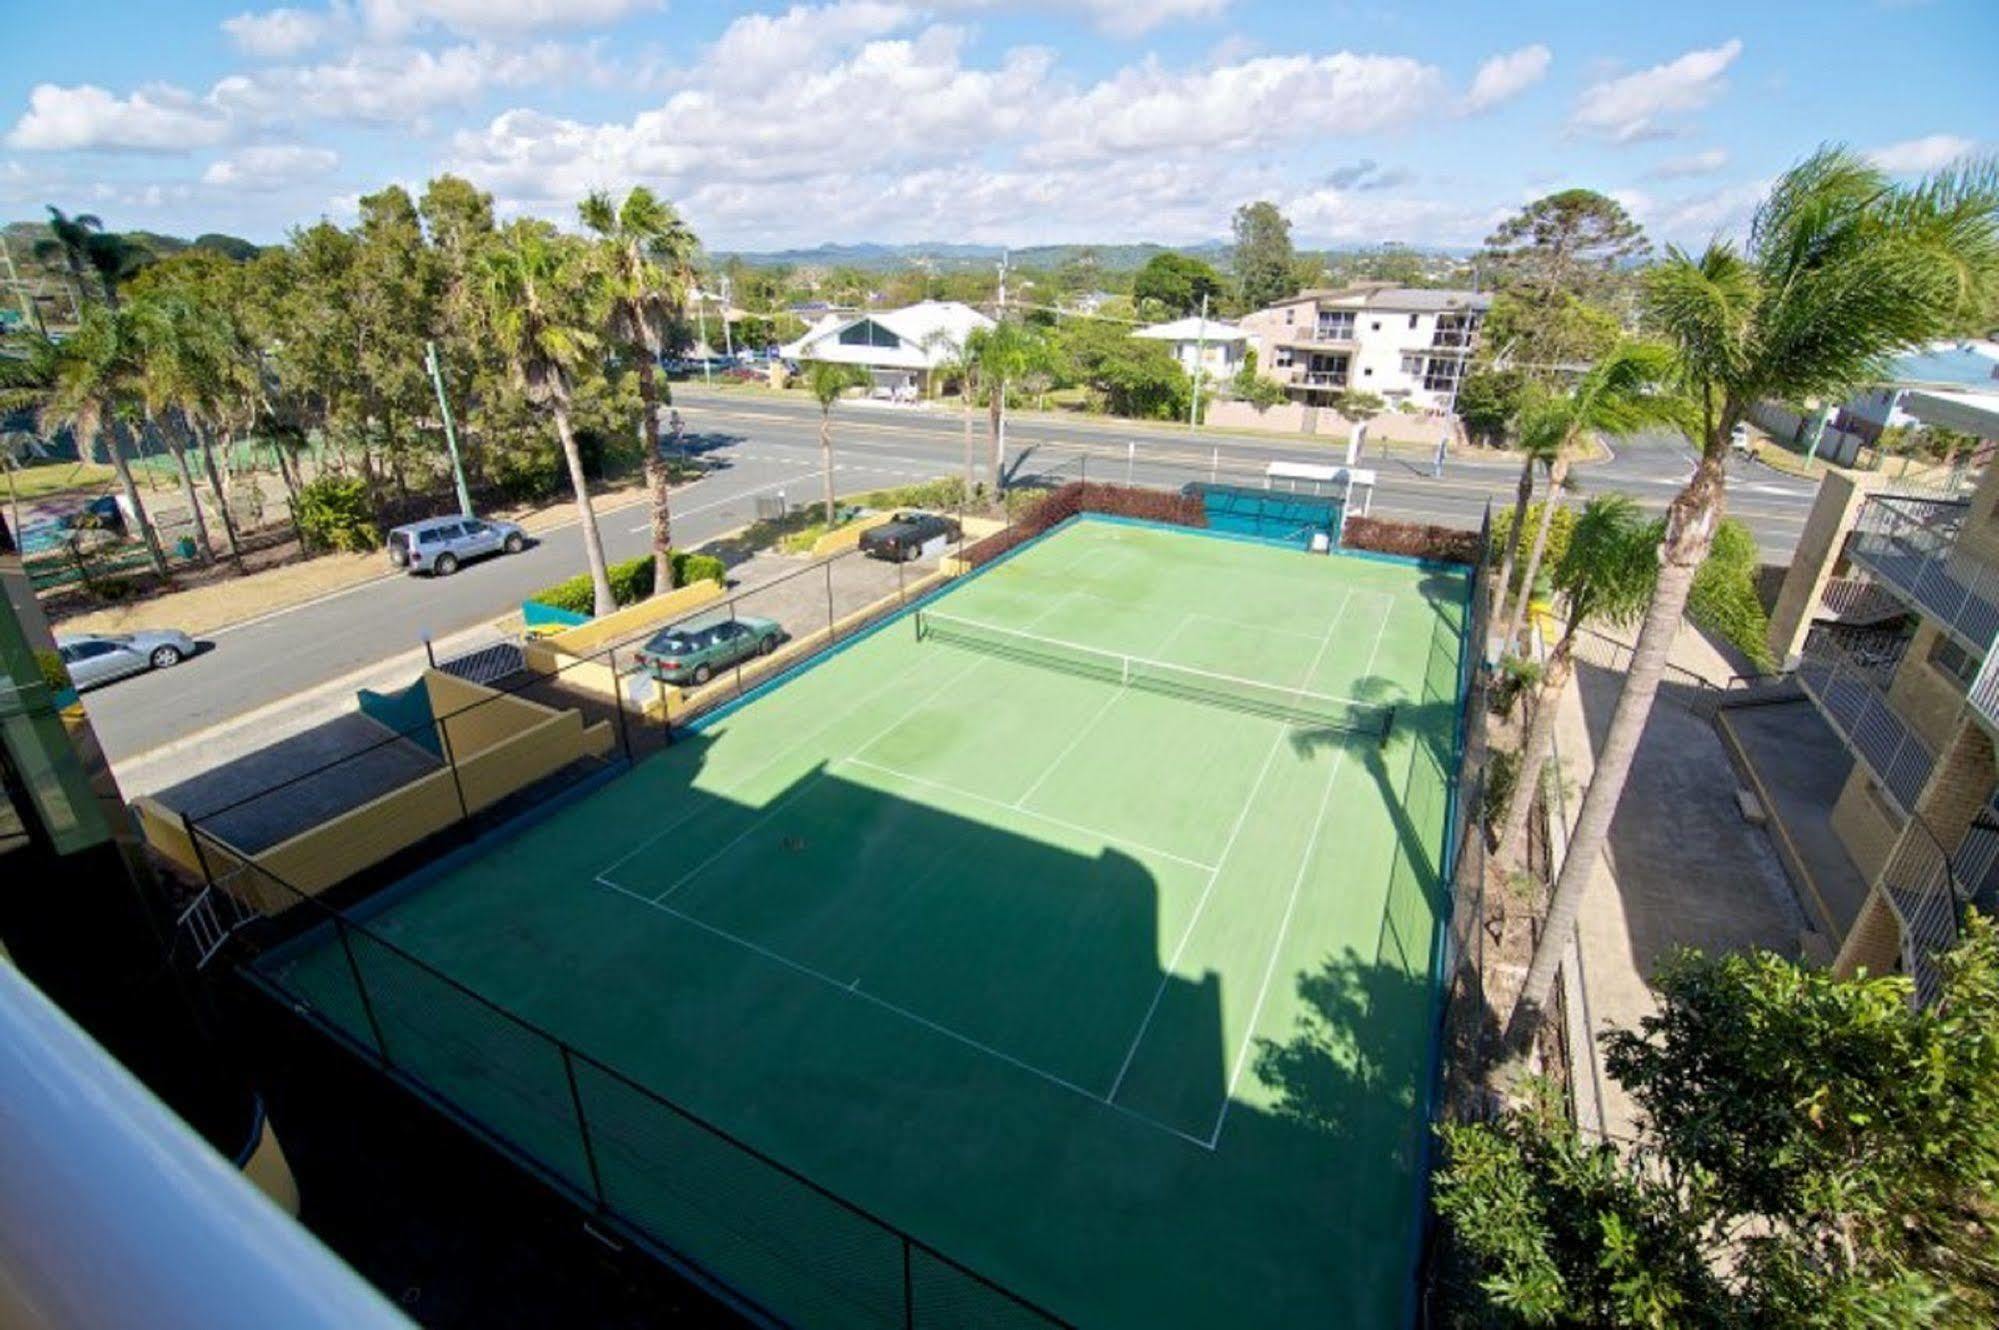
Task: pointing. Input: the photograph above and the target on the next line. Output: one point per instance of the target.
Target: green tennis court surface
(1086, 935)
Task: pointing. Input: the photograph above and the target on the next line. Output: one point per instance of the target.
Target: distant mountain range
(873, 257)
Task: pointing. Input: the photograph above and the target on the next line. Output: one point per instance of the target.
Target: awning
(1973, 413)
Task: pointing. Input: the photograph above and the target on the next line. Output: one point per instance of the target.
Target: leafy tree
(1359, 404)
(1263, 257)
(1178, 282)
(1569, 243)
(532, 281)
(82, 245)
(1538, 439)
(1546, 332)
(1814, 1151)
(1843, 269)
(1489, 401)
(828, 381)
(644, 251)
(1250, 386)
(176, 365)
(229, 247)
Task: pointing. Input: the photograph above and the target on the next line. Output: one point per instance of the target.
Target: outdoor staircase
(210, 921)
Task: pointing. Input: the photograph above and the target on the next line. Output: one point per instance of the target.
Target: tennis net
(1296, 706)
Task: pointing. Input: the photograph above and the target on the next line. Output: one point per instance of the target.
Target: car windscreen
(667, 646)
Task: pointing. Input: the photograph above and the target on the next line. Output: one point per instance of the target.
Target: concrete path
(1683, 869)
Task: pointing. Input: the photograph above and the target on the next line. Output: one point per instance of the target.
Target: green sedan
(686, 654)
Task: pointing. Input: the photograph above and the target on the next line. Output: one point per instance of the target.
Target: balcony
(1910, 544)
(1930, 891)
(1447, 340)
(1340, 335)
(1331, 380)
(1845, 671)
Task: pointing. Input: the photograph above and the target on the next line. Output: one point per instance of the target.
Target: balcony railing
(1846, 672)
(1859, 600)
(1313, 378)
(1911, 544)
(1930, 892)
(1311, 335)
(1451, 341)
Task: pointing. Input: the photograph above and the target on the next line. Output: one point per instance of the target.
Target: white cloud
(270, 167)
(156, 118)
(1929, 153)
(1693, 164)
(1339, 217)
(1636, 106)
(1119, 18)
(758, 47)
(1694, 219)
(280, 34)
(396, 84)
(1145, 108)
(392, 20)
(1507, 76)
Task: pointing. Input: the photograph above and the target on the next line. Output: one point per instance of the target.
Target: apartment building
(1889, 616)
(1402, 344)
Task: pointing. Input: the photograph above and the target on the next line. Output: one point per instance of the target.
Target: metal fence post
(340, 929)
(451, 761)
(618, 693)
(908, 1296)
(194, 840)
(583, 1126)
(828, 566)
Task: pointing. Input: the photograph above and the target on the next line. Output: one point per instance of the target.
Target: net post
(908, 1290)
(1387, 724)
(451, 761)
(582, 1125)
(340, 929)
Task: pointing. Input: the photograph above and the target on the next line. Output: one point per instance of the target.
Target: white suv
(439, 544)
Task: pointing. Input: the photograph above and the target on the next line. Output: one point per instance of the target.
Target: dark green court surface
(1086, 934)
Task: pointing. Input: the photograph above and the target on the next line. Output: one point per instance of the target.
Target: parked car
(903, 536)
(94, 658)
(440, 544)
(690, 654)
(1738, 439)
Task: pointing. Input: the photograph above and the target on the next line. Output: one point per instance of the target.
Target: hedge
(1447, 544)
(631, 581)
(1057, 505)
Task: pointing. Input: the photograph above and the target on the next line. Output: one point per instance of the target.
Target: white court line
(894, 681)
(1217, 618)
(1284, 925)
(1084, 732)
(853, 989)
(1108, 838)
(1168, 971)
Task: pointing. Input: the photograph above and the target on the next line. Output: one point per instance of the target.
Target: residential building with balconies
(1403, 344)
(1887, 620)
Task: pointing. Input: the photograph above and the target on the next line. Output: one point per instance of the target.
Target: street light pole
(1200, 362)
(450, 429)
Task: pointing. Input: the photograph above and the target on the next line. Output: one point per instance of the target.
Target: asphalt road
(770, 446)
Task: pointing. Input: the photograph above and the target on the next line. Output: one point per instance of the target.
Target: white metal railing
(1930, 891)
(1846, 672)
(1859, 600)
(1314, 378)
(1911, 544)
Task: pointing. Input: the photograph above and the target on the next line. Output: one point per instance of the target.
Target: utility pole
(728, 340)
(1200, 363)
(701, 314)
(450, 429)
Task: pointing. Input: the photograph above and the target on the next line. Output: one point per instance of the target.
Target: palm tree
(1622, 392)
(531, 282)
(1605, 575)
(92, 388)
(957, 361)
(180, 375)
(828, 382)
(1842, 269)
(645, 252)
(1004, 354)
(1536, 450)
(69, 242)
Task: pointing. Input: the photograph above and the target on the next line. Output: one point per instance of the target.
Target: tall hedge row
(631, 581)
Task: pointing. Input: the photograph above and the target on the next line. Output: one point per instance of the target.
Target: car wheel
(701, 674)
(768, 645)
(515, 543)
(164, 658)
(446, 565)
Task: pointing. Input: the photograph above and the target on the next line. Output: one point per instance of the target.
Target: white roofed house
(1208, 345)
(900, 348)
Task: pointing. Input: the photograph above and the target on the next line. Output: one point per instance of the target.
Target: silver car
(440, 544)
(94, 658)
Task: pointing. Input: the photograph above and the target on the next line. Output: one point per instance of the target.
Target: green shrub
(1558, 539)
(948, 492)
(334, 514)
(1724, 598)
(631, 581)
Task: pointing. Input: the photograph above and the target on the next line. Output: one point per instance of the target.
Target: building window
(1952, 661)
(1367, 372)
(1412, 320)
(1440, 374)
(1288, 312)
(867, 333)
(1375, 326)
(1412, 365)
(1280, 358)
(1336, 327)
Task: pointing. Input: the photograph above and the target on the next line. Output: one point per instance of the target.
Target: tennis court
(1080, 925)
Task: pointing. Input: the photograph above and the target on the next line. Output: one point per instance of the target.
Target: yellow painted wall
(590, 638)
(1921, 694)
(163, 829)
(474, 717)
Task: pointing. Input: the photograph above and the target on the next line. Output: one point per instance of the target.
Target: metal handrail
(1843, 671)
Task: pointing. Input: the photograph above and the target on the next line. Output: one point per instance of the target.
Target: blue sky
(1010, 122)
